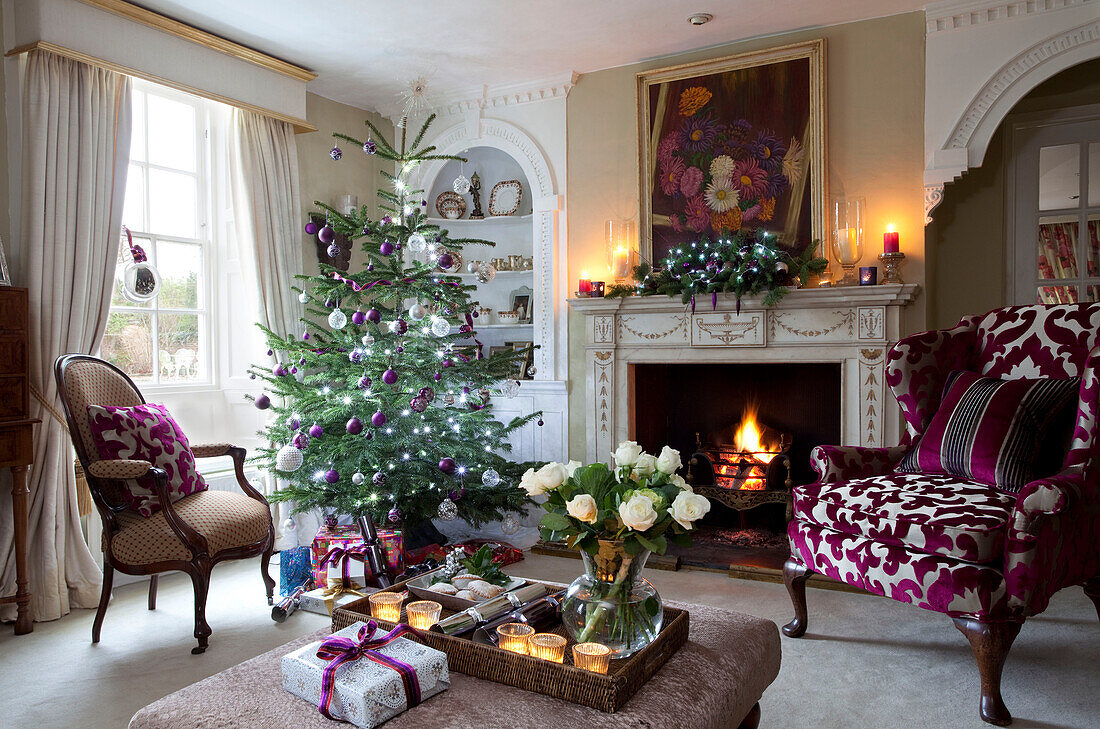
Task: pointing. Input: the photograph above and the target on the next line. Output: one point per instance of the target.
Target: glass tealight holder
(423, 614)
(848, 221)
(592, 657)
(514, 637)
(547, 646)
(386, 606)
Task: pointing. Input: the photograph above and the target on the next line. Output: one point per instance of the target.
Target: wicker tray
(606, 692)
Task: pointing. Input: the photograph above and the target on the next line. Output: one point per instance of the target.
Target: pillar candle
(890, 241)
(585, 285)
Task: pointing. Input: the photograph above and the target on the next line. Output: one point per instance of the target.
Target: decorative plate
(450, 205)
(456, 261)
(505, 197)
(419, 587)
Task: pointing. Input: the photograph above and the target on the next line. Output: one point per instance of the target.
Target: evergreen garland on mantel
(743, 264)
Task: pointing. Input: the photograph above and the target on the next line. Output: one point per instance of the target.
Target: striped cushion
(1005, 433)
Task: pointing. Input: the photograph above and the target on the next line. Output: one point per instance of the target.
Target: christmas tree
(379, 412)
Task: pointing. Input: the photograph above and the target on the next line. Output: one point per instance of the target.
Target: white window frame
(1025, 134)
(206, 312)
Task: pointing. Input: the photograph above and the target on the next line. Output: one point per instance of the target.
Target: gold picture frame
(735, 91)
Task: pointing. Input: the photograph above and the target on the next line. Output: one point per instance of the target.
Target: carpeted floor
(865, 662)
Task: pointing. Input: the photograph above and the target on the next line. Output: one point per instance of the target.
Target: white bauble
(461, 185)
(367, 340)
(509, 388)
(289, 525)
(303, 298)
(417, 311)
(440, 327)
(288, 459)
(337, 319)
(357, 478)
(417, 243)
(471, 267)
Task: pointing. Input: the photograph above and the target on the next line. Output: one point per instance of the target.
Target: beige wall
(967, 262)
(875, 96)
(324, 180)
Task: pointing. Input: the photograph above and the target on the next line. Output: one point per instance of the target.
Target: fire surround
(854, 326)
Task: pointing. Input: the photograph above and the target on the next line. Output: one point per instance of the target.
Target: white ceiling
(365, 51)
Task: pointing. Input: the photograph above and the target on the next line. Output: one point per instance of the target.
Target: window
(167, 340)
(1054, 208)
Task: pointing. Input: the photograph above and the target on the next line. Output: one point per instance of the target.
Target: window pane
(173, 205)
(178, 341)
(1057, 248)
(1057, 294)
(1092, 293)
(180, 266)
(1093, 247)
(171, 133)
(128, 343)
(1059, 177)
(137, 135)
(1094, 174)
(124, 260)
(133, 208)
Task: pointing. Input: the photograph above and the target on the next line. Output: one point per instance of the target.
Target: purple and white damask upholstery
(954, 545)
(146, 432)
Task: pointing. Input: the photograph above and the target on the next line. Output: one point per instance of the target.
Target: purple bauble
(374, 316)
(378, 419)
(540, 422)
(293, 370)
(301, 441)
(379, 479)
(446, 260)
(333, 250)
(355, 426)
(394, 516)
(370, 147)
(312, 228)
(315, 431)
(355, 356)
(400, 350)
(293, 423)
(326, 234)
(332, 476)
(263, 402)
(389, 376)
(447, 465)
(330, 303)
(364, 383)
(279, 371)
(427, 393)
(358, 318)
(401, 327)
(270, 352)
(336, 153)
(448, 363)
(437, 376)
(418, 404)
(369, 435)
(386, 248)
(457, 494)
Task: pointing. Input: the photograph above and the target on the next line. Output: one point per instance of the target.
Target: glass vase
(611, 603)
(848, 221)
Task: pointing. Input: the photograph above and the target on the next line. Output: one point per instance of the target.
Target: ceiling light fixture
(700, 18)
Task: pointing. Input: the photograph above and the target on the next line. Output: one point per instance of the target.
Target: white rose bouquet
(616, 517)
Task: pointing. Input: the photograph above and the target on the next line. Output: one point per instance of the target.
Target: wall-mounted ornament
(340, 245)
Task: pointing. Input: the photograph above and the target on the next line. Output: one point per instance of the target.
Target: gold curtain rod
(300, 125)
(203, 38)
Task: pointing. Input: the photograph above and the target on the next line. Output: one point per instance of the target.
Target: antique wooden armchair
(987, 558)
(191, 534)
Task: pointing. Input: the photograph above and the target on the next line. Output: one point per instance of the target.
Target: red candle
(890, 241)
(585, 285)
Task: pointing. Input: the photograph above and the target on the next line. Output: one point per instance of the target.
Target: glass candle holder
(514, 637)
(592, 657)
(423, 614)
(547, 646)
(847, 233)
(386, 606)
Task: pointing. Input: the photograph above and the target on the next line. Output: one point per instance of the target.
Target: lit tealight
(386, 606)
(423, 614)
(591, 657)
(514, 637)
(547, 646)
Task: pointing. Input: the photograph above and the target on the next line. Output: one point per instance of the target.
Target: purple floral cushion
(1005, 433)
(147, 433)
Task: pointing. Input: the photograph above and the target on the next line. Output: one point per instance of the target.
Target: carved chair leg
(795, 575)
(1092, 589)
(104, 598)
(752, 719)
(153, 592)
(265, 563)
(990, 643)
(201, 580)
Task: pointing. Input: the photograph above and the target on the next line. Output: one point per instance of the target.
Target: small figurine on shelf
(475, 194)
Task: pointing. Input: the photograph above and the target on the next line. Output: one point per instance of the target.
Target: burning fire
(749, 438)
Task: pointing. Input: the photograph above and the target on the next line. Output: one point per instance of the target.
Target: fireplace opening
(745, 432)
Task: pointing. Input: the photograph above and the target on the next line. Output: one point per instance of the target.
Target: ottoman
(713, 682)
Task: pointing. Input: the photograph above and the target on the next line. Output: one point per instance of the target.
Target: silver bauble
(417, 311)
(140, 282)
(303, 298)
(337, 319)
(288, 459)
(357, 478)
(486, 273)
(440, 327)
(417, 243)
(447, 510)
(471, 267)
(289, 525)
(490, 478)
(510, 524)
(461, 184)
(509, 388)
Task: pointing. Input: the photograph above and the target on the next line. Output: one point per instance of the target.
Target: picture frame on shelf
(522, 302)
(749, 127)
(496, 349)
(525, 364)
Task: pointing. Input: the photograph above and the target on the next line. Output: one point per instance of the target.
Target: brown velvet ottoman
(713, 682)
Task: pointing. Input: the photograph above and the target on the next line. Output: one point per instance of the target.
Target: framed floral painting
(733, 143)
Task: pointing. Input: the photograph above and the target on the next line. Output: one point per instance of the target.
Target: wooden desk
(16, 436)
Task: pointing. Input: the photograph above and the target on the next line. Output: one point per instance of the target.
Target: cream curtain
(76, 148)
(269, 227)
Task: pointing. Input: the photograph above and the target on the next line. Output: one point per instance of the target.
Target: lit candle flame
(890, 228)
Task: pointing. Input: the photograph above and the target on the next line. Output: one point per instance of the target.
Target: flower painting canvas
(731, 144)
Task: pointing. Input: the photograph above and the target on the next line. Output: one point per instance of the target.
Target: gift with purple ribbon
(365, 676)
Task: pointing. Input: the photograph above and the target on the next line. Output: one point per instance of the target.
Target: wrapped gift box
(324, 600)
(295, 569)
(366, 693)
(393, 546)
(326, 539)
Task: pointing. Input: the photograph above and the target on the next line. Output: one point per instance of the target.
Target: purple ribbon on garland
(338, 651)
(358, 288)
